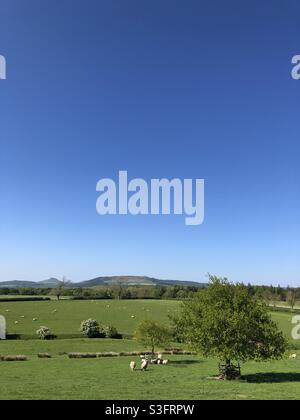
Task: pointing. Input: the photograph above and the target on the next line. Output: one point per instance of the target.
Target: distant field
(124, 314)
(186, 377)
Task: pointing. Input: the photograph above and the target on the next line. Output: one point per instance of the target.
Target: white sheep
(293, 356)
(132, 366)
(16, 322)
(144, 364)
(160, 356)
(159, 362)
(165, 362)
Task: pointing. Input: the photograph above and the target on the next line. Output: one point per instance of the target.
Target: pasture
(186, 377)
(64, 317)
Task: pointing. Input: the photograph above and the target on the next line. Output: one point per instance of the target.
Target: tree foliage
(152, 334)
(228, 322)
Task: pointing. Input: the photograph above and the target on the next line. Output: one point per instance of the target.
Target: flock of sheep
(145, 360)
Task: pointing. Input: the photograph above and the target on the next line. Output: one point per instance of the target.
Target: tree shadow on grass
(185, 362)
(272, 378)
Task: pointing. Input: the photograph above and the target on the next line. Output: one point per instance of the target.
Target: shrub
(111, 332)
(91, 329)
(44, 333)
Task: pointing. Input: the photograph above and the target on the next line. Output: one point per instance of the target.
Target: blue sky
(168, 88)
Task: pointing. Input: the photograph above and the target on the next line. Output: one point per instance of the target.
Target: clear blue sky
(161, 88)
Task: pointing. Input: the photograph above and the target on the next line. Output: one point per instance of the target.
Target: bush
(91, 329)
(44, 333)
(111, 332)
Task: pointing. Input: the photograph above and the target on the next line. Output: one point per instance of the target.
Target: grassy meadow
(64, 317)
(186, 377)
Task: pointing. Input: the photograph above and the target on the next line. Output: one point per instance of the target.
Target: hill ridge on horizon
(102, 281)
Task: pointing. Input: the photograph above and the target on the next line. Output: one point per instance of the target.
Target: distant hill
(125, 280)
(52, 282)
(103, 281)
(135, 281)
(19, 283)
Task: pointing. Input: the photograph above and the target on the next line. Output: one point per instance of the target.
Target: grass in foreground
(186, 377)
(110, 378)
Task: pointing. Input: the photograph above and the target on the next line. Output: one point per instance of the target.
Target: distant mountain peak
(52, 280)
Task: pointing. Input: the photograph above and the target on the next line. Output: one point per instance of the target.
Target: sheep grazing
(160, 356)
(144, 364)
(165, 362)
(34, 320)
(132, 366)
(293, 356)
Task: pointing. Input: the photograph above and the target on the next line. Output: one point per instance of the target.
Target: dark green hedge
(25, 299)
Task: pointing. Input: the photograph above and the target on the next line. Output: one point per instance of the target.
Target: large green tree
(226, 321)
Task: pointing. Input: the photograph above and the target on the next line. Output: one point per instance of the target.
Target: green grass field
(186, 377)
(64, 317)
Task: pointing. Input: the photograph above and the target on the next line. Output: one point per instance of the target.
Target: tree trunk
(153, 347)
